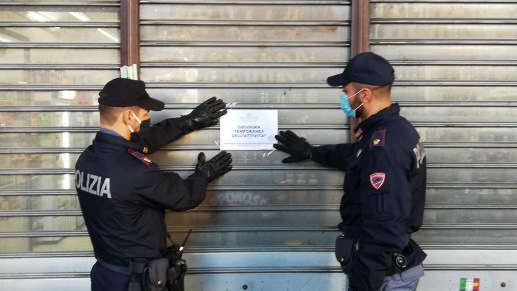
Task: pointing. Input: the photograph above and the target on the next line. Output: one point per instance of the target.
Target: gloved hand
(296, 146)
(216, 166)
(206, 114)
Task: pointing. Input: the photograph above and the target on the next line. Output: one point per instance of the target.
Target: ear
(126, 116)
(366, 96)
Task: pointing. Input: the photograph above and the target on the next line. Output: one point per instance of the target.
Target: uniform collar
(388, 113)
(116, 141)
(109, 131)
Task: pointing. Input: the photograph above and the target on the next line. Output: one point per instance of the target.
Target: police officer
(123, 194)
(384, 190)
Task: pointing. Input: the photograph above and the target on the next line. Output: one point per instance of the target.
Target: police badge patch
(377, 180)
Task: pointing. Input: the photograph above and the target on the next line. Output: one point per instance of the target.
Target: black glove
(216, 166)
(296, 146)
(206, 114)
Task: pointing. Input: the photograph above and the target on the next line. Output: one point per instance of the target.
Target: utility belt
(162, 274)
(396, 262)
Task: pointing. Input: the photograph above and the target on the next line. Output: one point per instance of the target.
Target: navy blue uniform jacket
(123, 195)
(384, 196)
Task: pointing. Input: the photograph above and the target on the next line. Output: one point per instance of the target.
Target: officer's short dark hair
(107, 114)
(384, 88)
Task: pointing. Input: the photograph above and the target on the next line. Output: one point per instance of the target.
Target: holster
(345, 250)
(149, 275)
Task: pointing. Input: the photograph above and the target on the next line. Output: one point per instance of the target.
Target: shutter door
(263, 224)
(456, 81)
(54, 58)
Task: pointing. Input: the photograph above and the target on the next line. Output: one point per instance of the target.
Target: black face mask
(139, 137)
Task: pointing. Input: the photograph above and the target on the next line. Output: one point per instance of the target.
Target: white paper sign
(249, 129)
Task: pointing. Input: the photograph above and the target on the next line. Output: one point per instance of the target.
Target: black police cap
(366, 68)
(121, 92)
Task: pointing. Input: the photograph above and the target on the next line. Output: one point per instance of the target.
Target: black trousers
(106, 278)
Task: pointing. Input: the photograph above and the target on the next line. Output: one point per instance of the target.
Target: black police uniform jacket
(384, 196)
(123, 195)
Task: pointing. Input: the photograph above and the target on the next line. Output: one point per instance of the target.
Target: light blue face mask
(345, 105)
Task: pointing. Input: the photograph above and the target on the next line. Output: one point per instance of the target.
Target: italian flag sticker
(469, 284)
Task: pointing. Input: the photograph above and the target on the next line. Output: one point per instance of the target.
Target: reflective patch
(419, 154)
(358, 153)
(143, 158)
(377, 180)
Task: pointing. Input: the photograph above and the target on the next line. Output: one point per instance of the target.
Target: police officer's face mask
(345, 105)
(144, 126)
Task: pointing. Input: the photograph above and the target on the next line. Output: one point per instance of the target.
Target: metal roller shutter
(456, 81)
(261, 223)
(265, 226)
(54, 58)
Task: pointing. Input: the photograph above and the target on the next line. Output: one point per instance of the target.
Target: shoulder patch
(378, 138)
(143, 158)
(377, 180)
